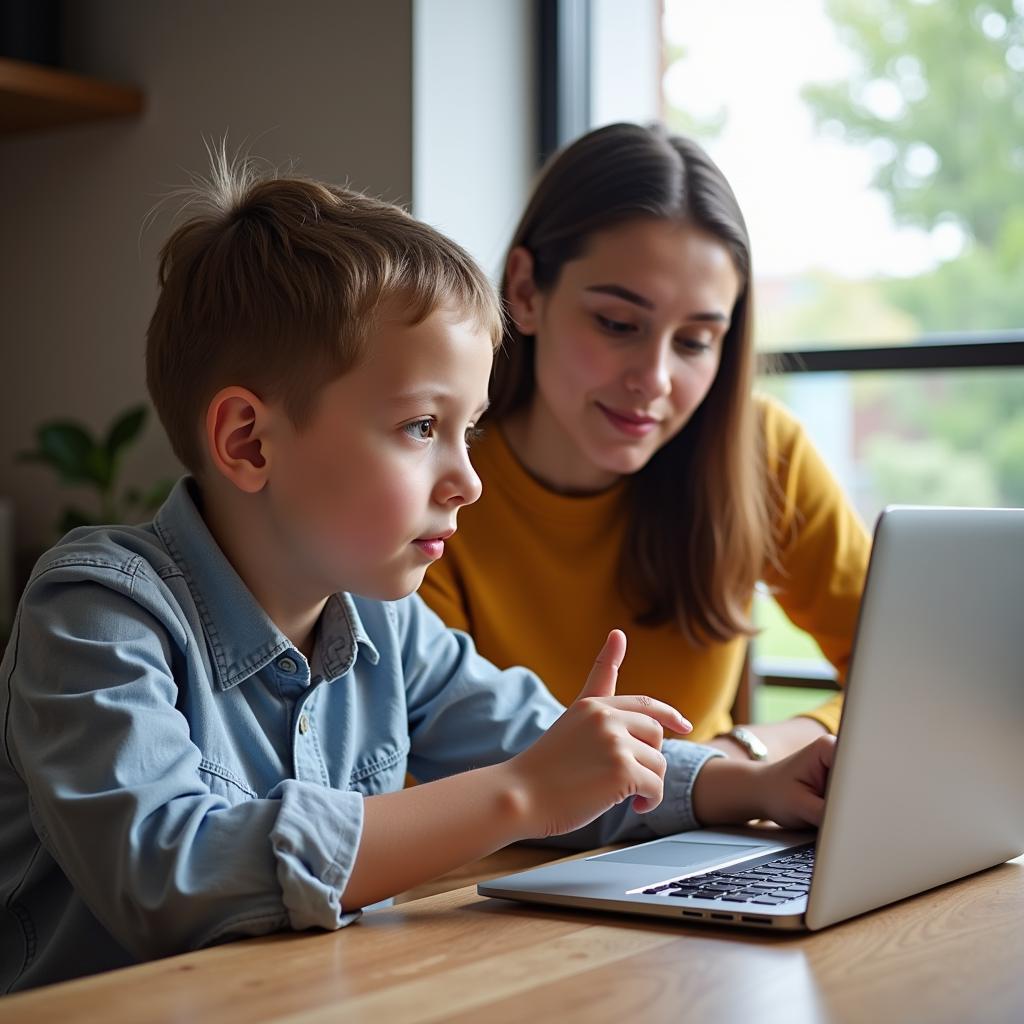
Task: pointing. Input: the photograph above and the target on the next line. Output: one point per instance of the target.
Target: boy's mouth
(433, 547)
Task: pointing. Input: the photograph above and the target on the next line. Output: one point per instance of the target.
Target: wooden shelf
(35, 97)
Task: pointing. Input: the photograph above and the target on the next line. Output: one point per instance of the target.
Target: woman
(629, 474)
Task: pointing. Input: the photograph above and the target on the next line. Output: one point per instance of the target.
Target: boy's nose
(474, 488)
(462, 486)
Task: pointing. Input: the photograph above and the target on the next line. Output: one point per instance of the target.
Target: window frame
(563, 73)
(983, 350)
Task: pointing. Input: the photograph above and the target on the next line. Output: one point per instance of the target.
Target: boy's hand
(603, 750)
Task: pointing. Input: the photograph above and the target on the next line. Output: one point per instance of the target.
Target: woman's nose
(651, 374)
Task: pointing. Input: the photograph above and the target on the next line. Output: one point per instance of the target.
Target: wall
(327, 83)
(626, 61)
(474, 124)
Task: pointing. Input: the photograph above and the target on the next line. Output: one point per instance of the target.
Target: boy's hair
(274, 285)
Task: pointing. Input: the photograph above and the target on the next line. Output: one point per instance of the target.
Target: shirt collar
(241, 636)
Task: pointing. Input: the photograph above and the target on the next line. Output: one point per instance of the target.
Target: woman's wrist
(780, 738)
(728, 746)
(742, 742)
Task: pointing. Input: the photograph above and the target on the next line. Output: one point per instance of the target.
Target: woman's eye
(473, 434)
(692, 345)
(422, 430)
(615, 326)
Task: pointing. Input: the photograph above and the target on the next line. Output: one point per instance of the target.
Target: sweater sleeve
(823, 548)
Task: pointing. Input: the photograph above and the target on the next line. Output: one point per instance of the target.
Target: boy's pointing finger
(605, 673)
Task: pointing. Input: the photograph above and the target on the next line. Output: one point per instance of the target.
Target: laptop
(927, 783)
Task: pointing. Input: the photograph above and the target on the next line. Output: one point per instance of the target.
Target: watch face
(751, 743)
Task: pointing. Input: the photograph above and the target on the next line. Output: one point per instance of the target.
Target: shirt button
(303, 724)
(287, 665)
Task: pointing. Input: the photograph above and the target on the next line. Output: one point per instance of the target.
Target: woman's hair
(699, 523)
(274, 283)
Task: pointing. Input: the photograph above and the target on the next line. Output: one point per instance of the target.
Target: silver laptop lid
(936, 687)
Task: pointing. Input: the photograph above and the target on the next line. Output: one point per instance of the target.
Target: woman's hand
(790, 792)
(793, 790)
(603, 750)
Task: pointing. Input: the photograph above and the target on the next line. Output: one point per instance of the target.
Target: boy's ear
(236, 436)
(521, 292)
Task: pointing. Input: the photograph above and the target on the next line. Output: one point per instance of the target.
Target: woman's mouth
(629, 423)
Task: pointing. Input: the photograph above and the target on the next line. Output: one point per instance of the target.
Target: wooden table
(952, 955)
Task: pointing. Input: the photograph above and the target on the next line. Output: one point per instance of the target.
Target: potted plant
(78, 457)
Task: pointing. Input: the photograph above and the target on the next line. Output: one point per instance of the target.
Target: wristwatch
(750, 742)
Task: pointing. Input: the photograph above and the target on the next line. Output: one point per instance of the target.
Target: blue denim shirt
(174, 773)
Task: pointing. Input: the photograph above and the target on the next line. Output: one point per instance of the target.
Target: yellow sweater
(531, 575)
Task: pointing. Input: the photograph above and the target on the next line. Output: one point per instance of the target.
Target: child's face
(628, 344)
(364, 493)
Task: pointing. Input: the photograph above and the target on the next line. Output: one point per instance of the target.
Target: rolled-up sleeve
(315, 839)
(675, 812)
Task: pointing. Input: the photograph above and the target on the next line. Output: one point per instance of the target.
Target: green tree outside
(939, 95)
(939, 98)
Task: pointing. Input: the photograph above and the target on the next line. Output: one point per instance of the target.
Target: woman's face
(628, 343)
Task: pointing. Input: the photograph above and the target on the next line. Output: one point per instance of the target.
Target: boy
(205, 731)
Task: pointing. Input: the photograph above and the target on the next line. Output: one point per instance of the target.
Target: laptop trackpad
(680, 854)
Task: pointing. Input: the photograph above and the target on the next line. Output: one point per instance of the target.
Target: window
(878, 154)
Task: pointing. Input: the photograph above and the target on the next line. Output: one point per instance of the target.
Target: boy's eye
(422, 430)
(473, 434)
(614, 326)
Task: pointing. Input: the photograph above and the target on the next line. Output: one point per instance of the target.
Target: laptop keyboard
(777, 881)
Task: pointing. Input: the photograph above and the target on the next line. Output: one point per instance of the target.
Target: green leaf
(101, 467)
(72, 518)
(125, 429)
(68, 448)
